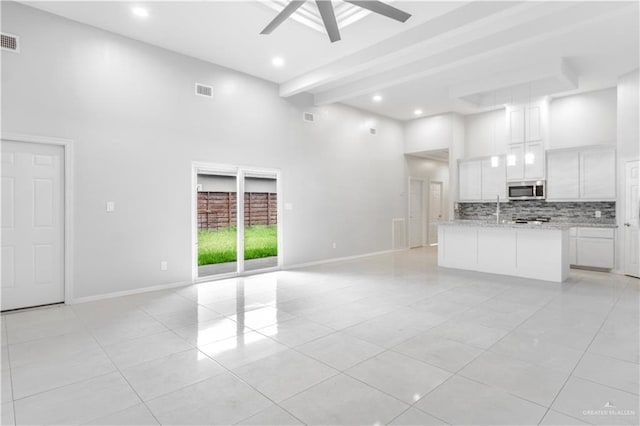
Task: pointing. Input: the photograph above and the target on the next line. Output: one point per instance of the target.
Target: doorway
(435, 211)
(631, 219)
(416, 215)
(237, 226)
(36, 226)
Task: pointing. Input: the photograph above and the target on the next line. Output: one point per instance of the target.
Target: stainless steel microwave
(528, 190)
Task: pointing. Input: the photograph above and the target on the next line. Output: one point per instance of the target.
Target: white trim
(422, 211)
(442, 206)
(223, 277)
(128, 292)
(341, 259)
(240, 221)
(239, 172)
(67, 146)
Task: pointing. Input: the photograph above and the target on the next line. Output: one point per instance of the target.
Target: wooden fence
(218, 209)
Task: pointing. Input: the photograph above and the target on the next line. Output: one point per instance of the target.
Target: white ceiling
(449, 56)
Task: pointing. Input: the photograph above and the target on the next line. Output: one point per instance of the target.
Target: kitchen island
(538, 251)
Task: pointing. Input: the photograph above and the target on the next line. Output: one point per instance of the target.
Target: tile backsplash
(558, 212)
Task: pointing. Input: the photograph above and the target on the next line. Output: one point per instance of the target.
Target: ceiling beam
(567, 18)
(392, 49)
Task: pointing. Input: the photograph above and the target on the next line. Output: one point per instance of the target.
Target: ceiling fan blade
(329, 19)
(280, 18)
(381, 9)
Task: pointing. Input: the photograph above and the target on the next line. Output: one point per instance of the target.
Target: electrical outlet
(163, 265)
(334, 245)
(111, 206)
(598, 213)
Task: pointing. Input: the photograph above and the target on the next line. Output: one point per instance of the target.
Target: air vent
(204, 90)
(373, 131)
(10, 42)
(308, 116)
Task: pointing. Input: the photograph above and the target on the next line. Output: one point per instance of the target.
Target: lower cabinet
(592, 247)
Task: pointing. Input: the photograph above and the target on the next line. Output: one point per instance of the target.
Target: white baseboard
(127, 292)
(340, 259)
(219, 277)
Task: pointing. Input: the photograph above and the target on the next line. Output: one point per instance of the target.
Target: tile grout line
(580, 359)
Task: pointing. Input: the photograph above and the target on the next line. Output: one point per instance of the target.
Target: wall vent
(308, 116)
(398, 234)
(204, 90)
(10, 42)
(373, 131)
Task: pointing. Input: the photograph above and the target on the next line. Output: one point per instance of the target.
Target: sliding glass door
(237, 221)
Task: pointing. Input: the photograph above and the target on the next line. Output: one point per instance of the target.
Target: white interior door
(632, 219)
(32, 224)
(415, 213)
(435, 210)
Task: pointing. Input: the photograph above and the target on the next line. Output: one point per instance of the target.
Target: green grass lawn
(220, 246)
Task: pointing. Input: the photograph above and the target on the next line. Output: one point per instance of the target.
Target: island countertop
(506, 224)
(488, 223)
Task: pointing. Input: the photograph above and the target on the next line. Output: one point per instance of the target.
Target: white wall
(485, 134)
(427, 134)
(137, 126)
(628, 133)
(584, 119)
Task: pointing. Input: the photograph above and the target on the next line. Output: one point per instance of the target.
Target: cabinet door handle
(627, 224)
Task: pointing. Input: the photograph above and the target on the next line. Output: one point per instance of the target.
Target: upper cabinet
(493, 179)
(525, 161)
(563, 175)
(525, 124)
(470, 180)
(516, 125)
(482, 179)
(582, 174)
(598, 174)
(525, 156)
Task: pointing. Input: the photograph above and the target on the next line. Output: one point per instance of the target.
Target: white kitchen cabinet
(494, 183)
(515, 161)
(525, 124)
(532, 124)
(516, 125)
(478, 180)
(592, 247)
(586, 174)
(470, 180)
(598, 178)
(563, 175)
(573, 251)
(534, 161)
(525, 161)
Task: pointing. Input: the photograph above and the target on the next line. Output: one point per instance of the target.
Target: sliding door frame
(239, 172)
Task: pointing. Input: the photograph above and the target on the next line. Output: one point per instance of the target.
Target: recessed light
(417, 112)
(377, 98)
(140, 11)
(277, 62)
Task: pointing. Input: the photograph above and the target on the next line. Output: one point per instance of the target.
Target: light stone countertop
(488, 223)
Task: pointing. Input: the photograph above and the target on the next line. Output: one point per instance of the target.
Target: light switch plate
(598, 213)
(111, 206)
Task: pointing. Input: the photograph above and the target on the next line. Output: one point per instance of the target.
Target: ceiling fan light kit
(325, 8)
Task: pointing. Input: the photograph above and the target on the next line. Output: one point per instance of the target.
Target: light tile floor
(389, 339)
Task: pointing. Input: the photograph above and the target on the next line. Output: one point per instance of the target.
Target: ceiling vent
(204, 90)
(10, 42)
(308, 116)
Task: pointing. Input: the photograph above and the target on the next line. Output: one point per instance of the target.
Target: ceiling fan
(329, 18)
